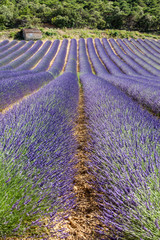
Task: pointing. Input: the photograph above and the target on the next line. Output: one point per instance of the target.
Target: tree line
(142, 15)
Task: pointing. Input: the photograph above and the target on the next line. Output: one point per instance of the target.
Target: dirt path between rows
(83, 220)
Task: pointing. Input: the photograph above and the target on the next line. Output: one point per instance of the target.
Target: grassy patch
(57, 33)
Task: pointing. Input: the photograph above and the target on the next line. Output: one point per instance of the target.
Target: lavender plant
(121, 64)
(146, 50)
(156, 48)
(20, 60)
(145, 91)
(58, 63)
(7, 59)
(9, 45)
(15, 88)
(71, 65)
(141, 59)
(12, 49)
(84, 65)
(36, 168)
(125, 154)
(43, 65)
(4, 42)
(129, 60)
(31, 62)
(109, 64)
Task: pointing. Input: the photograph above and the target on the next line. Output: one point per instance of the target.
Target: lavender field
(42, 85)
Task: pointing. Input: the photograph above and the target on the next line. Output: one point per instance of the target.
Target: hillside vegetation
(142, 15)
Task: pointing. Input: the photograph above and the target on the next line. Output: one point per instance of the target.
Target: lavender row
(141, 59)
(12, 49)
(124, 153)
(35, 157)
(97, 64)
(31, 62)
(6, 47)
(121, 64)
(71, 65)
(84, 64)
(16, 53)
(4, 42)
(23, 58)
(43, 65)
(145, 91)
(110, 65)
(99, 68)
(139, 69)
(155, 42)
(11, 73)
(157, 49)
(14, 88)
(58, 63)
(146, 49)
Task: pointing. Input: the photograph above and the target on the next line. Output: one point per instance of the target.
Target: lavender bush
(121, 64)
(16, 53)
(13, 89)
(31, 62)
(6, 47)
(14, 48)
(129, 60)
(84, 65)
(71, 65)
(4, 42)
(141, 59)
(37, 148)
(58, 63)
(125, 154)
(20, 60)
(43, 65)
(146, 49)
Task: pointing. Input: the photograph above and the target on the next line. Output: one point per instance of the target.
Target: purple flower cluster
(7, 46)
(110, 65)
(14, 48)
(142, 46)
(156, 43)
(58, 63)
(31, 62)
(4, 42)
(97, 64)
(155, 48)
(14, 88)
(20, 60)
(16, 53)
(43, 65)
(71, 65)
(146, 90)
(139, 69)
(125, 159)
(38, 147)
(84, 64)
(121, 64)
(141, 59)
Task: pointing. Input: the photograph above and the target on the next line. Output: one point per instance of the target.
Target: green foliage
(143, 15)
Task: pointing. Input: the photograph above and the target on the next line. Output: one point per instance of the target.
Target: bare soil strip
(82, 221)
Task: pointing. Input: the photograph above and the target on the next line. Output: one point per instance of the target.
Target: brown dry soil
(83, 220)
